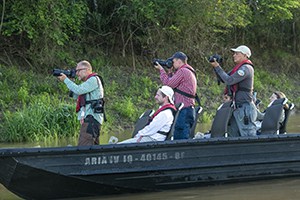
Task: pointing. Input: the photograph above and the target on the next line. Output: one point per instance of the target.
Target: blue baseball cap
(179, 55)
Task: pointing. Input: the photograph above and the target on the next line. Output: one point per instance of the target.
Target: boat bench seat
(270, 123)
(142, 121)
(221, 119)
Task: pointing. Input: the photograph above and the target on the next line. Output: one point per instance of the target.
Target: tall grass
(44, 118)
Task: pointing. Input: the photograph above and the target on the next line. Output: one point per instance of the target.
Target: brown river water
(276, 189)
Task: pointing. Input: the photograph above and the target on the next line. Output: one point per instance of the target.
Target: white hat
(244, 50)
(168, 92)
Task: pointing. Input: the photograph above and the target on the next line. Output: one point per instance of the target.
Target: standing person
(184, 83)
(89, 95)
(239, 83)
(161, 120)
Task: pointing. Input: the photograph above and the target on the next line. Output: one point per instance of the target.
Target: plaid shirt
(184, 80)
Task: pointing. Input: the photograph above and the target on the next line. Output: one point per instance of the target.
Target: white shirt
(161, 122)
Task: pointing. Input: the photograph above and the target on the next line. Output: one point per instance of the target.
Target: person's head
(277, 95)
(83, 69)
(179, 58)
(241, 53)
(164, 95)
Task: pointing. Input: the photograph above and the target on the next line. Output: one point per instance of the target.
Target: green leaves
(42, 19)
(270, 11)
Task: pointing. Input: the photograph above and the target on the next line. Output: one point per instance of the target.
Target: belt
(188, 107)
(239, 105)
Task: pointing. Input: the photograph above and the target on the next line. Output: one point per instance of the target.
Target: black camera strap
(196, 97)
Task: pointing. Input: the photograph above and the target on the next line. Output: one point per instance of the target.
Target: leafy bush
(126, 108)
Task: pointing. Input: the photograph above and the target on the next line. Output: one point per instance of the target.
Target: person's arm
(282, 117)
(85, 87)
(157, 124)
(173, 81)
(237, 77)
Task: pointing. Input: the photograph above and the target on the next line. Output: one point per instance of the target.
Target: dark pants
(184, 123)
(89, 132)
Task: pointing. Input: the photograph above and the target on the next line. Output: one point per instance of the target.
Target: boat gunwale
(7, 152)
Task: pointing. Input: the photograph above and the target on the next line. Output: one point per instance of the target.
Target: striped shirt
(94, 90)
(184, 80)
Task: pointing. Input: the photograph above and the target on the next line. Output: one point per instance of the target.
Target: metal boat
(69, 172)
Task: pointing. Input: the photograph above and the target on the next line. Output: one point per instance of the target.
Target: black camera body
(71, 73)
(98, 106)
(215, 57)
(219, 59)
(164, 63)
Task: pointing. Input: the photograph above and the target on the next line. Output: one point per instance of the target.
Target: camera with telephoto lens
(214, 58)
(164, 63)
(71, 73)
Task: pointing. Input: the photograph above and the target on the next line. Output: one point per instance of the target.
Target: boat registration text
(130, 158)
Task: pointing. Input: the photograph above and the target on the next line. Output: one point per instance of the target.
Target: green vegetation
(36, 107)
(120, 38)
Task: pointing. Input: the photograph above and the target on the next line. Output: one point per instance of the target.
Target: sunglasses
(78, 70)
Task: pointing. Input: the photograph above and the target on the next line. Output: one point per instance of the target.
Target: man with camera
(239, 83)
(184, 83)
(89, 95)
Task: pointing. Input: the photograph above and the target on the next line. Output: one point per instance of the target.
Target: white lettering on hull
(131, 158)
(101, 160)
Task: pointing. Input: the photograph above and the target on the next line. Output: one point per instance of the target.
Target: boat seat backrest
(287, 111)
(198, 110)
(142, 121)
(270, 123)
(221, 119)
(178, 106)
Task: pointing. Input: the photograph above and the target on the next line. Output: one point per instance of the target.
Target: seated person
(161, 121)
(260, 115)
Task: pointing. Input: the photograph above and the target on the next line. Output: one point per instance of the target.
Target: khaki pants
(89, 132)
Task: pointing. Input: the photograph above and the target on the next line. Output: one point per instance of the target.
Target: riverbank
(36, 107)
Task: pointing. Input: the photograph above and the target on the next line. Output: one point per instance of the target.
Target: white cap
(168, 92)
(244, 50)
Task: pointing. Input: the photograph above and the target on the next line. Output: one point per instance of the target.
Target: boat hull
(51, 173)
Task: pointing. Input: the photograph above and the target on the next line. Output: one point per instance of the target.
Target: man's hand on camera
(158, 66)
(215, 64)
(62, 77)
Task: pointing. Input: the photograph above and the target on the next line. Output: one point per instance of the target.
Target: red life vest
(81, 98)
(165, 107)
(234, 87)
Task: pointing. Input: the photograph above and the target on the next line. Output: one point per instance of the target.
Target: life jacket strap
(163, 133)
(196, 97)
